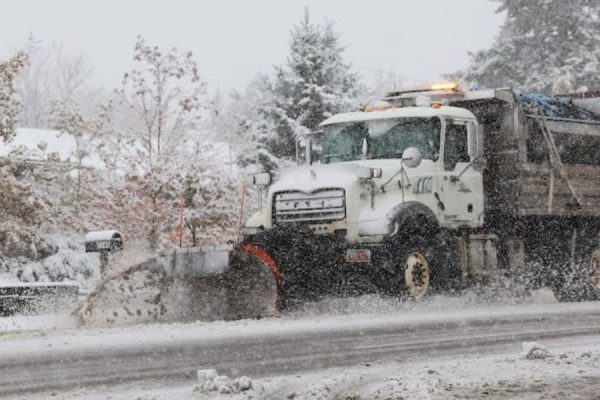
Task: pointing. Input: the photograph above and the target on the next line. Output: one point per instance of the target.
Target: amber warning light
(444, 86)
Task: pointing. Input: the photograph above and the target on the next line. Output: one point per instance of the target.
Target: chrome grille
(323, 206)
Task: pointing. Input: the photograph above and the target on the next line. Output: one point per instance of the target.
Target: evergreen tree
(543, 46)
(312, 85)
(263, 122)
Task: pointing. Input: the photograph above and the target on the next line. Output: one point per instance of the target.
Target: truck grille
(322, 206)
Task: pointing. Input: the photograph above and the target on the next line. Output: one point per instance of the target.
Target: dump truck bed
(520, 178)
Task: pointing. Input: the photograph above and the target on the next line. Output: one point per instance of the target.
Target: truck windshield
(381, 138)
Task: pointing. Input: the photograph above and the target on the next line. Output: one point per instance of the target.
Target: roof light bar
(444, 86)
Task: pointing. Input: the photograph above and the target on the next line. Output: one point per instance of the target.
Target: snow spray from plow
(209, 282)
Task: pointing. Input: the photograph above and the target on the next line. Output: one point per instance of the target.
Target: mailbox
(103, 241)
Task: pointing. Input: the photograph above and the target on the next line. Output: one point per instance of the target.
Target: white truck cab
(395, 201)
(363, 178)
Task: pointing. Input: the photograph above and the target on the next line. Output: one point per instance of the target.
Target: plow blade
(244, 278)
(36, 297)
(193, 262)
(200, 283)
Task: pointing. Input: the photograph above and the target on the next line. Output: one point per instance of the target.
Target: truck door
(461, 183)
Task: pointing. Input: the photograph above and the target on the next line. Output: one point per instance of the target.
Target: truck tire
(414, 262)
(421, 264)
(580, 282)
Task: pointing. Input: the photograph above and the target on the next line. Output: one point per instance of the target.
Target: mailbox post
(103, 242)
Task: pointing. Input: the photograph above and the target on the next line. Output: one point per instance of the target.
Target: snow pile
(535, 351)
(323, 391)
(44, 322)
(209, 381)
(537, 375)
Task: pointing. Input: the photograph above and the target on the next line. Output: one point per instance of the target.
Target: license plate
(358, 255)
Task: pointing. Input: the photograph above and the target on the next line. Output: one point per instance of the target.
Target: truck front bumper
(314, 266)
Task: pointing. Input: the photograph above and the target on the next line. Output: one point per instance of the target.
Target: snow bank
(46, 323)
(535, 351)
(572, 374)
(210, 381)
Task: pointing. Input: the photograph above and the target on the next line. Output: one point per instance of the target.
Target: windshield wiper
(386, 155)
(342, 156)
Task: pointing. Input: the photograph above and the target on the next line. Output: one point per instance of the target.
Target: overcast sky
(234, 40)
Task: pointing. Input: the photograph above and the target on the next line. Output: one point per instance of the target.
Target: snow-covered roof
(403, 112)
(32, 142)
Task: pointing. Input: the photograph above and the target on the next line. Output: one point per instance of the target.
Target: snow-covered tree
(156, 113)
(9, 103)
(263, 121)
(543, 44)
(245, 124)
(210, 200)
(68, 119)
(312, 85)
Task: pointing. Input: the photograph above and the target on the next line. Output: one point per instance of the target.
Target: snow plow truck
(429, 189)
(433, 189)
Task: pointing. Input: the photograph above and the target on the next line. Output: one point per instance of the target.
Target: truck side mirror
(411, 157)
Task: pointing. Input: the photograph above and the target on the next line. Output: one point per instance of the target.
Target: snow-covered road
(64, 359)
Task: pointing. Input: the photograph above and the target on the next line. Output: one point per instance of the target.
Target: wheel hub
(417, 275)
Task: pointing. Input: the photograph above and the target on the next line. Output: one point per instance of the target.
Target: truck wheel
(417, 274)
(411, 264)
(420, 264)
(580, 282)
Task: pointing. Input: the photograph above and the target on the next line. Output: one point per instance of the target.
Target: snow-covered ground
(472, 369)
(566, 370)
